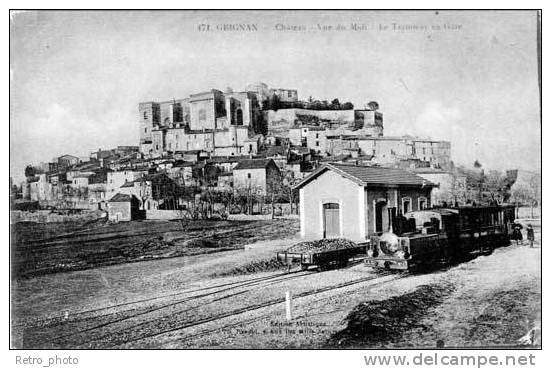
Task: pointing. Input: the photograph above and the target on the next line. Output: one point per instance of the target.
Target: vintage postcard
(276, 180)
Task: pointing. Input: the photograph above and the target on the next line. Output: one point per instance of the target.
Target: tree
(347, 106)
(373, 106)
(335, 104)
(29, 171)
(288, 191)
(528, 192)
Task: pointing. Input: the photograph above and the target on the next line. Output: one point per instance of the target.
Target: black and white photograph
(276, 180)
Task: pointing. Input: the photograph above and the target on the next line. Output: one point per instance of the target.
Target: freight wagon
(321, 256)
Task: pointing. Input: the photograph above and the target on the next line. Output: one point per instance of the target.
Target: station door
(331, 220)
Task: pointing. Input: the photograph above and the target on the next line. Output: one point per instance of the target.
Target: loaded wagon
(325, 254)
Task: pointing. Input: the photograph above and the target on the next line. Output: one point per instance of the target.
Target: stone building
(218, 123)
(66, 161)
(116, 179)
(451, 186)
(342, 200)
(123, 208)
(389, 150)
(258, 175)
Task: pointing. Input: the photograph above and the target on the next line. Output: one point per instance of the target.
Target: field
(45, 248)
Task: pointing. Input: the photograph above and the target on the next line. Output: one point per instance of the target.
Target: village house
(123, 208)
(65, 161)
(153, 191)
(256, 174)
(350, 201)
(116, 179)
(181, 172)
(451, 188)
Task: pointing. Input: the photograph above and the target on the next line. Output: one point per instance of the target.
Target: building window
(289, 93)
(317, 135)
(249, 175)
(317, 143)
(406, 205)
(422, 203)
(145, 129)
(202, 115)
(145, 115)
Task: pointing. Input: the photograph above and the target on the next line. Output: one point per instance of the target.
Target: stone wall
(162, 214)
(289, 115)
(49, 216)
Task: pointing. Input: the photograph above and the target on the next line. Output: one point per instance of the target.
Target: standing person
(517, 234)
(530, 235)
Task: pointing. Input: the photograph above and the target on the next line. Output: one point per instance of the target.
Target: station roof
(371, 176)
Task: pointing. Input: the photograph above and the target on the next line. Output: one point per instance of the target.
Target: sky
(470, 77)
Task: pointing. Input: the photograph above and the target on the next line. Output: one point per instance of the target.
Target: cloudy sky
(467, 77)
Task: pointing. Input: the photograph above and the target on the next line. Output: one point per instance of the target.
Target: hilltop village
(251, 146)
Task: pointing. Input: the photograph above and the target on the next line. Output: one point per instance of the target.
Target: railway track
(83, 315)
(212, 291)
(178, 315)
(252, 308)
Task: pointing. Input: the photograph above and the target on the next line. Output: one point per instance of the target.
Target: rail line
(226, 287)
(160, 297)
(259, 306)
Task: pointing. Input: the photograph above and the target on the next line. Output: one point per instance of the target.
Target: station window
(406, 205)
(422, 203)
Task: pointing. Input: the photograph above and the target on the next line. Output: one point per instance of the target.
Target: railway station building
(351, 201)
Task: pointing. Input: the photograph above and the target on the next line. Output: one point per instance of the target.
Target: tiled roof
(253, 164)
(371, 176)
(275, 150)
(379, 175)
(120, 197)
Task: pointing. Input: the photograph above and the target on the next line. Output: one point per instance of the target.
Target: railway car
(437, 235)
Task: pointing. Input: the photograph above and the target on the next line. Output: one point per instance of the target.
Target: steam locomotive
(437, 235)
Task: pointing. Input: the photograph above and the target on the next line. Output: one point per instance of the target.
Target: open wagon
(325, 254)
